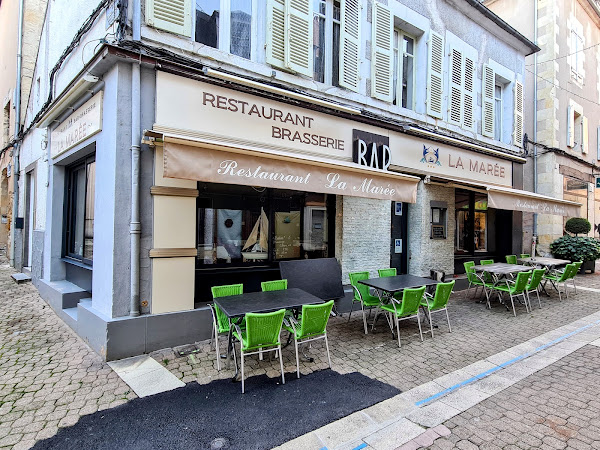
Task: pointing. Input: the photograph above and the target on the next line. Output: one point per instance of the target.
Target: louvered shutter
(570, 127)
(350, 44)
(455, 99)
(488, 110)
(435, 69)
(276, 33)
(298, 36)
(170, 15)
(518, 115)
(585, 141)
(468, 93)
(382, 60)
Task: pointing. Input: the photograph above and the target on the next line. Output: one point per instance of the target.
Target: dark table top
(398, 283)
(261, 302)
(502, 268)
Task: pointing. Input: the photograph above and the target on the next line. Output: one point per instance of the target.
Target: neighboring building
(33, 18)
(274, 132)
(565, 75)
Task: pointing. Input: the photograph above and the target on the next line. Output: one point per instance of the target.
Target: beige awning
(517, 200)
(204, 160)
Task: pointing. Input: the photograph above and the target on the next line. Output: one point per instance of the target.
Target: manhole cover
(219, 443)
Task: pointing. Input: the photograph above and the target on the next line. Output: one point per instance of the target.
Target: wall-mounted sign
(598, 182)
(371, 150)
(83, 123)
(398, 208)
(438, 232)
(397, 245)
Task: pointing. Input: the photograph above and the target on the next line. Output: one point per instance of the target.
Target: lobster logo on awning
(431, 156)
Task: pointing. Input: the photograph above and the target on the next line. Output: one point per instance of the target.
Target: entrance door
(399, 244)
(30, 203)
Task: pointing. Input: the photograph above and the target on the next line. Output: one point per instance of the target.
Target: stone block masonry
(424, 253)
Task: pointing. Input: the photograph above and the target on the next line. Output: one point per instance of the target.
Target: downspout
(135, 227)
(535, 136)
(16, 168)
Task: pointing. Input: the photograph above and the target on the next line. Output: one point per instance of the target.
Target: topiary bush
(576, 248)
(578, 225)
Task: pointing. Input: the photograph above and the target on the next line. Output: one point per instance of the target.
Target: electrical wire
(562, 89)
(564, 56)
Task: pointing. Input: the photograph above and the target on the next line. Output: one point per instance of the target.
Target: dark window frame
(68, 217)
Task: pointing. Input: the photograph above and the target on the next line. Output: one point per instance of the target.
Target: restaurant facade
(168, 175)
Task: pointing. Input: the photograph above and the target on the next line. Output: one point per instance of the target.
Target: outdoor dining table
(237, 306)
(499, 272)
(546, 263)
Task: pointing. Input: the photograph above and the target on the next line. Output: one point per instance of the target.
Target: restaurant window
(575, 190)
(326, 41)
(245, 225)
(471, 222)
(404, 69)
(79, 229)
(211, 19)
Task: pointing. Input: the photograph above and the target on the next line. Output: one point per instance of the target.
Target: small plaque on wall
(438, 232)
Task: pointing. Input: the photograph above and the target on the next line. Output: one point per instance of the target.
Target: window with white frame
(461, 98)
(211, 17)
(576, 54)
(498, 88)
(404, 69)
(577, 128)
(326, 41)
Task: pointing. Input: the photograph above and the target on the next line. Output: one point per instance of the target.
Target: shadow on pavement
(217, 415)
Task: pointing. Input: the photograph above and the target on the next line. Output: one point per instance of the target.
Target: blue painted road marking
(503, 365)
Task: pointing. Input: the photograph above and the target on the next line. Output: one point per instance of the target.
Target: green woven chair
(405, 309)
(534, 284)
(511, 259)
(261, 335)
(220, 320)
(362, 295)
(556, 278)
(514, 288)
(525, 255)
(438, 302)
(472, 276)
(276, 285)
(312, 326)
(391, 272)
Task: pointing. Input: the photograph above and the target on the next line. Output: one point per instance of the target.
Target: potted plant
(577, 248)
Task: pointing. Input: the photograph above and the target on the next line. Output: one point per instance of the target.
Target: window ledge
(77, 263)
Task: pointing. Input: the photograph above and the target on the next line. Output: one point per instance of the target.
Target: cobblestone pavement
(477, 333)
(48, 376)
(555, 408)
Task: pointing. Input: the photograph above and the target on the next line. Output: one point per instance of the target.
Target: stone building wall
(424, 253)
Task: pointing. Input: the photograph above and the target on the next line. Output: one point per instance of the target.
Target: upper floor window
(404, 69)
(212, 25)
(576, 54)
(498, 88)
(326, 41)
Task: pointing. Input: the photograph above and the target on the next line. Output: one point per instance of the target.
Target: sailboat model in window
(257, 244)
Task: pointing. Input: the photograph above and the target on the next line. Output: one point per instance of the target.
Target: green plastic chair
(534, 284)
(515, 288)
(405, 309)
(220, 320)
(556, 278)
(276, 285)
(438, 302)
(574, 272)
(312, 326)
(472, 277)
(488, 279)
(262, 334)
(362, 295)
(391, 272)
(525, 255)
(511, 259)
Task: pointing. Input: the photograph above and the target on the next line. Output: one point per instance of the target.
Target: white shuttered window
(298, 36)
(435, 69)
(455, 97)
(382, 59)
(276, 33)
(170, 15)
(350, 45)
(518, 115)
(488, 101)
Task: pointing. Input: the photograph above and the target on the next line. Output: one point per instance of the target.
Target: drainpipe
(17, 129)
(135, 227)
(535, 136)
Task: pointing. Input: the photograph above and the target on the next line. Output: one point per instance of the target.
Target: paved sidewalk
(48, 376)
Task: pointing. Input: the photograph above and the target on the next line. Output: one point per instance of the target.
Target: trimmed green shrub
(576, 248)
(578, 225)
